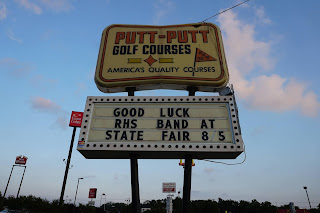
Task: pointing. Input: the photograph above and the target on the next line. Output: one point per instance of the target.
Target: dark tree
(157, 206)
(204, 206)
(228, 205)
(1, 202)
(244, 206)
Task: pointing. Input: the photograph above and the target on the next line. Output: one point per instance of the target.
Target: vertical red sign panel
(93, 193)
(76, 119)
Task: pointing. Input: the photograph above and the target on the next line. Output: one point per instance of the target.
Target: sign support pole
(135, 184)
(5, 191)
(187, 170)
(187, 184)
(67, 167)
(192, 90)
(134, 172)
(25, 167)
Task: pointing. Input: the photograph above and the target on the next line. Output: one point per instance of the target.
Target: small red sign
(93, 193)
(76, 119)
(168, 187)
(169, 190)
(21, 160)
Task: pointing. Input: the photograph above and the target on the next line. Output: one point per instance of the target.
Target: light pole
(75, 197)
(104, 206)
(128, 201)
(307, 195)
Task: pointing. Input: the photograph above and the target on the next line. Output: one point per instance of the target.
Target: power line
(225, 10)
(229, 164)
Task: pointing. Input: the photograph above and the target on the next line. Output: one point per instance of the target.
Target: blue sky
(47, 61)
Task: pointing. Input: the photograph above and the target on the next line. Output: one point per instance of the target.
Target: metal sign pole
(67, 167)
(135, 184)
(187, 171)
(5, 191)
(25, 167)
(134, 172)
(187, 184)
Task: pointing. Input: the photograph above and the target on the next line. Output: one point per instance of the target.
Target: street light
(307, 195)
(75, 197)
(64, 160)
(128, 201)
(105, 199)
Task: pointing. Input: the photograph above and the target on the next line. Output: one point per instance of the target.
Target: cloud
(247, 57)
(18, 69)
(12, 36)
(224, 195)
(3, 11)
(41, 82)
(81, 87)
(48, 106)
(208, 171)
(57, 5)
(212, 180)
(162, 8)
(29, 6)
(262, 16)
(47, 35)
(115, 176)
(62, 122)
(14, 67)
(45, 105)
(260, 130)
(280, 94)
(36, 8)
(242, 47)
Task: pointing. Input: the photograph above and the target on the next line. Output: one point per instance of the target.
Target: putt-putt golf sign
(155, 57)
(160, 127)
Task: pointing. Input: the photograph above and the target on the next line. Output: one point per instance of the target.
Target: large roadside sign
(156, 57)
(160, 127)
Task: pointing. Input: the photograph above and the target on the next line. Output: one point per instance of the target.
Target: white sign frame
(160, 149)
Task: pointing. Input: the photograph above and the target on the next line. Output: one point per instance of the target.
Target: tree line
(221, 206)
(32, 204)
